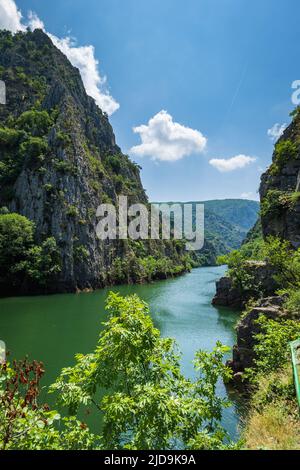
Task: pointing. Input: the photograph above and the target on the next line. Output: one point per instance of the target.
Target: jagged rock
(227, 295)
(247, 329)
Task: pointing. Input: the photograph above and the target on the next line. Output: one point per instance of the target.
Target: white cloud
(82, 57)
(276, 131)
(10, 16)
(34, 22)
(166, 140)
(231, 164)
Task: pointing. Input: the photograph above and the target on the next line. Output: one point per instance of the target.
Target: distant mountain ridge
(227, 223)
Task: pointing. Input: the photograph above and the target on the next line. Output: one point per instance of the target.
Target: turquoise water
(53, 328)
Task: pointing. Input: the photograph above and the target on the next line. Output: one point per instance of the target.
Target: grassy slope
(273, 422)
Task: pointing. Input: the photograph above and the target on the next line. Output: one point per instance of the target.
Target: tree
(20, 258)
(148, 403)
(285, 260)
(25, 424)
(16, 237)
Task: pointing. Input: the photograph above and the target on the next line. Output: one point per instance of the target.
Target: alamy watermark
(154, 221)
(296, 93)
(2, 352)
(2, 92)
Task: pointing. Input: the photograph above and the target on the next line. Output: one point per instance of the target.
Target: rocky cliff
(59, 161)
(280, 218)
(280, 187)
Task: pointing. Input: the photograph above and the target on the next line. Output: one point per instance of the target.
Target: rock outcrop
(248, 328)
(263, 284)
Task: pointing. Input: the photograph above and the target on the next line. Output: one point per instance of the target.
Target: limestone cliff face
(280, 186)
(247, 328)
(57, 173)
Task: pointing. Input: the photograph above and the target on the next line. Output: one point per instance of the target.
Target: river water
(54, 328)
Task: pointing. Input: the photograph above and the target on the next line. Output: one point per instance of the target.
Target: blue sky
(220, 67)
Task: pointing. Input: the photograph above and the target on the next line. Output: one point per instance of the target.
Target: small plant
(285, 151)
(72, 211)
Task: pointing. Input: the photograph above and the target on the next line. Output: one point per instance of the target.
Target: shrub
(272, 344)
(16, 236)
(292, 303)
(81, 253)
(34, 148)
(273, 203)
(35, 122)
(20, 258)
(72, 211)
(285, 150)
(43, 262)
(114, 163)
(10, 137)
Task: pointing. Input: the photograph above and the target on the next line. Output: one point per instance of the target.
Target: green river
(53, 328)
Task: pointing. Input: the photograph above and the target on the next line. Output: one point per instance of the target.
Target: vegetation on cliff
(268, 264)
(58, 162)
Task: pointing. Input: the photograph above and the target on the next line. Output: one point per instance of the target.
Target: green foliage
(72, 211)
(139, 269)
(10, 137)
(81, 253)
(25, 424)
(42, 264)
(113, 162)
(16, 236)
(37, 123)
(148, 403)
(285, 150)
(237, 212)
(34, 148)
(276, 202)
(63, 139)
(272, 348)
(242, 277)
(96, 166)
(64, 166)
(271, 203)
(20, 259)
(276, 253)
(285, 261)
(292, 303)
(11, 160)
(272, 345)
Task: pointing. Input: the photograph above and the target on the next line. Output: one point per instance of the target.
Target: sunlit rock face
(62, 170)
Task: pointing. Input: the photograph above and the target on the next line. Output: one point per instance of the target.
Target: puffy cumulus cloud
(276, 131)
(82, 57)
(166, 140)
(10, 16)
(231, 164)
